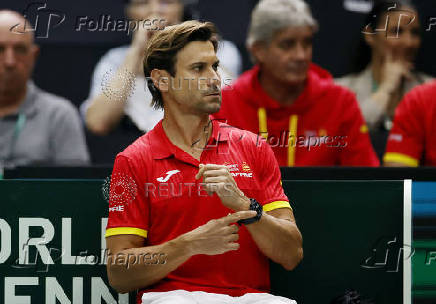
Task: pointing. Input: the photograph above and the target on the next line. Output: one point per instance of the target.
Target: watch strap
(255, 206)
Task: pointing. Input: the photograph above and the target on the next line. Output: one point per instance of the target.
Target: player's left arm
(276, 233)
(278, 237)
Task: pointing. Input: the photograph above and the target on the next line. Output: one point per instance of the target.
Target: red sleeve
(357, 149)
(128, 205)
(272, 195)
(406, 139)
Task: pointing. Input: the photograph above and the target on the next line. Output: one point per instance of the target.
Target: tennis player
(196, 206)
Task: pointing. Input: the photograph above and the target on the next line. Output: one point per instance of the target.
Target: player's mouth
(216, 94)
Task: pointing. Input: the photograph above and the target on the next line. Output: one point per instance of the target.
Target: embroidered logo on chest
(235, 171)
(168, 175)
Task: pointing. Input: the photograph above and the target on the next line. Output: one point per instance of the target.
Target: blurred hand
(393, 71)
(216, 236)
(140, 38)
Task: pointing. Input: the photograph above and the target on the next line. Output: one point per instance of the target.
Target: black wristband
(255, 206)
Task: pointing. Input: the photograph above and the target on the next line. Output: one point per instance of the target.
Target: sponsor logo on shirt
(395, 137)
(119, 208)
(232, 167)
(235, 171)
(119, 190)
(163, 179)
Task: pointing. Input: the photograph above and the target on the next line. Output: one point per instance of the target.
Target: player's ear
(160, 79)
(35, 51)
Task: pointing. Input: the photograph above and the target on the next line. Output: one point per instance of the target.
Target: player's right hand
(216, 236)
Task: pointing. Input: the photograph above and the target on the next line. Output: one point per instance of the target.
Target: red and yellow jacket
(323, 127)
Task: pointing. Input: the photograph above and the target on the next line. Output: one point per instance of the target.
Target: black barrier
(346, 227)
(288, 173)
(52, 244)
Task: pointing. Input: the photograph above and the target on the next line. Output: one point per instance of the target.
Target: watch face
(254, 205)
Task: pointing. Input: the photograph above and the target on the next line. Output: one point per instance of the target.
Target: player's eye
(287, 44)
(308, 42)
(415, 32)
(20, 49)
(198, 68)
(215, 66)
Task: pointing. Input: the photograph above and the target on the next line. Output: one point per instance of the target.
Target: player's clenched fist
(217, 179)
(216, 236)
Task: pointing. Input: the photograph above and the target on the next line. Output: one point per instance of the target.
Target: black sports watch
(255, 206)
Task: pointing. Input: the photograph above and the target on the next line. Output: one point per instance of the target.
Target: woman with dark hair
(384, 67)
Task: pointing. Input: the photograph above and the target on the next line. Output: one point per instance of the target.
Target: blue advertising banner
(424, 242)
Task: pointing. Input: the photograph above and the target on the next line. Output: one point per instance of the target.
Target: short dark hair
(162, 49)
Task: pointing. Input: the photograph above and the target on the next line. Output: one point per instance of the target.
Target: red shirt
(154, 194)
(412, 140)
(323, 127)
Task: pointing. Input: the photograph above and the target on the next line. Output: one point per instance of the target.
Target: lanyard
(374, 86)
(293, 121)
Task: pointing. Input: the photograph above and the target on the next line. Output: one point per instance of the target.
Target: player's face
(196, 86)
(169, 10)
(397, 34)
(288, 56)
(17, 55)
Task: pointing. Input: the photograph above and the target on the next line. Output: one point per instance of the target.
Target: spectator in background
(307, 119)
(384, 66)
(126, 101)
(36, 127)
(412, 141)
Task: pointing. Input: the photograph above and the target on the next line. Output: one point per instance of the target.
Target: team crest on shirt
(246, 167)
